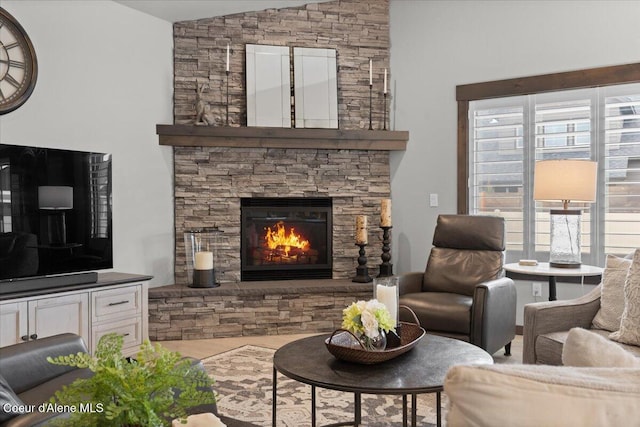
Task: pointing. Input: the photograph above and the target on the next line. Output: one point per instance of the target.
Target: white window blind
(496, 166)
(621, 155)
(508, 135)
(99, 193)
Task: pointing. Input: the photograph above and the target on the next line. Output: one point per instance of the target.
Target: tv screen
(55, 211)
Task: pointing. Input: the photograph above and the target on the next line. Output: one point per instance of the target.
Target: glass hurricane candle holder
(201, 248)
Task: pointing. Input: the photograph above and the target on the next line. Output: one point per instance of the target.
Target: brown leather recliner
(463, 294)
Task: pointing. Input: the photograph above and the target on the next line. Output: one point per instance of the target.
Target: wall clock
(18, 64)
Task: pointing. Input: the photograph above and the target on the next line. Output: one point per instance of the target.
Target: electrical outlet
(536, 289)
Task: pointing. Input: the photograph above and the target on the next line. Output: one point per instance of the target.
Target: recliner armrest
(493, 317)
(555, 316)
(410, 282)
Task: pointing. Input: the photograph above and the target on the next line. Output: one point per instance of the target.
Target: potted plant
(149, 390)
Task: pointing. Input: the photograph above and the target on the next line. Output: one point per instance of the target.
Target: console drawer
(131, 329)
(116, 303)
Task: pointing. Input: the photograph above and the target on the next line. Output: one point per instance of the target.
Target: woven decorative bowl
(346, 346)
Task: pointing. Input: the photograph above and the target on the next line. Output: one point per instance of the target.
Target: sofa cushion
(629, 332)
(533, 396)
(8, 397)
(43, 392)
(588, 349)
(612, 294)
(549, 347)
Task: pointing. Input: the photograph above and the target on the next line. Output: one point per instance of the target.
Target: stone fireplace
(212, 182)
(286, 238)
(217, 167)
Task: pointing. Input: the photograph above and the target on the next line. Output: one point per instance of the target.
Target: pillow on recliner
(7, 396)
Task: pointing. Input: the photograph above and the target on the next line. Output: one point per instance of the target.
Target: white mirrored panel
(268, 86)
(316, 88)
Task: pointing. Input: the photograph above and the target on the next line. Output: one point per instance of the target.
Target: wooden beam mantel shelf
(263, 137)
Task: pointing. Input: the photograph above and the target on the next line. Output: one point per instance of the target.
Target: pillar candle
(385, 80)
(227, 57)
(361, 230)
(385, 213)
(204, 260)
(387, 295)
(370, 72)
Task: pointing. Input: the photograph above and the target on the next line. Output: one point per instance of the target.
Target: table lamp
(565, 181)
(56, 199)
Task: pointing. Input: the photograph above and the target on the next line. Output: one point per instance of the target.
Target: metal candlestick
(370, 105)
(362, 273)
(384, 119)
(386, 268)
(227, 121)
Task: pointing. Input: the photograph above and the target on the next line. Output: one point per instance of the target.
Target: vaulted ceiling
(187, 10)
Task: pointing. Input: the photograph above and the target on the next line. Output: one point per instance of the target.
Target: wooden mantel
(264, 137)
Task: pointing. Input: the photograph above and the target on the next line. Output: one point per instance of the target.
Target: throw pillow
(199, 420)
(629, 332)
(588, 349)
(612, 296)
(8, 399)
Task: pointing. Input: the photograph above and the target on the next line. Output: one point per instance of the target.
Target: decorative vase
(374, 344)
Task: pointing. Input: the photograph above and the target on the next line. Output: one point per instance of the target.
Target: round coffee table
(421, 370)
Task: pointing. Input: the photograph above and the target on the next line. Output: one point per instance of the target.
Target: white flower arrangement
(367, 319)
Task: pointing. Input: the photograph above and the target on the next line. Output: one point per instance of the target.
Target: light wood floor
(209, 347)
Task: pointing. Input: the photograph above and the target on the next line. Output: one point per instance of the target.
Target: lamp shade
(55, 197)
(567, 180)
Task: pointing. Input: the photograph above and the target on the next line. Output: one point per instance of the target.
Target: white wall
(104, 82)
(436, 45)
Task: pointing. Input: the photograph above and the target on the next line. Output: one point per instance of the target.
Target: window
(507, 135)
(99, 195)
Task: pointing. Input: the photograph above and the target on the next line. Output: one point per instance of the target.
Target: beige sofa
(546, 325)
(599, 386)
(536, 395)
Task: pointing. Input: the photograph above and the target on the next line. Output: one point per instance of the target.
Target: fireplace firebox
(286, 238)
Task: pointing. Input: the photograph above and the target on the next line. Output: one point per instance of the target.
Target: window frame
(588, 78)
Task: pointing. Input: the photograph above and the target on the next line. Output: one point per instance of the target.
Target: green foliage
(150, 390)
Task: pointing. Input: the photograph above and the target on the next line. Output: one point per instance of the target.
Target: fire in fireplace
(286, 238)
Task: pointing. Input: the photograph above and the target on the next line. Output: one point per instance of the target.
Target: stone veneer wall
(357, 29)
(209, 183)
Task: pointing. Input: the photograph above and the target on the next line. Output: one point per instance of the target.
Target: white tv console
(117, 302)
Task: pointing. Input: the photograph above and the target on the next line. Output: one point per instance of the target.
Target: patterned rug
(244, 385)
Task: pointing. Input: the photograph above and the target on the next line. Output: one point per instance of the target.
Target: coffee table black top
(421, 370)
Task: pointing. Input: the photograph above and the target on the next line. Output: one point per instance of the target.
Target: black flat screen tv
(55, 212)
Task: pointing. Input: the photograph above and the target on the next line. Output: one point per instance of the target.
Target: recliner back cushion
(478, 232)
(459, 271)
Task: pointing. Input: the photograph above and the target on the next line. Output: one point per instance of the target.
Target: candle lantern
(201, 248)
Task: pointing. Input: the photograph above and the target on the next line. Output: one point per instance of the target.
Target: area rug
(244, 383)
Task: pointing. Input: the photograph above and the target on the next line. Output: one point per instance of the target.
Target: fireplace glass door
(286, 238)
